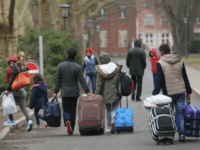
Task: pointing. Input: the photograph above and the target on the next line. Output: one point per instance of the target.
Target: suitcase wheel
(164, 142)
(171, 142)
(157, 143)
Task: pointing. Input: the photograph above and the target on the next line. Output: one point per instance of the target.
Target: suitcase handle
(126, 102)
(188, 102)
(54, 99)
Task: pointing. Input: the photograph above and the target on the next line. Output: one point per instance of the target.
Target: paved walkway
(194, 77)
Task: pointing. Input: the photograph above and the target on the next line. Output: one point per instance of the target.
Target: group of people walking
(168, 72)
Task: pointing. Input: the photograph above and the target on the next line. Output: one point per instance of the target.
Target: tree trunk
(8, 28)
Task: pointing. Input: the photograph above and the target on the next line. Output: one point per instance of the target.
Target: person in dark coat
(136, 62)
(69, 72)
(39, 98)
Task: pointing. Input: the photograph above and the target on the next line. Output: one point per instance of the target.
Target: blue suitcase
(191, 120)
(124, 119)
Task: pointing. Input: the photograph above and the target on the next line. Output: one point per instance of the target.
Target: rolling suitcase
(91, 115)
(161, 124)
(191, 120)
(124, 119)
(52, 113)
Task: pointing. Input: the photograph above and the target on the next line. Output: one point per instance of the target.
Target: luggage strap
(55, 98)
(118, 82)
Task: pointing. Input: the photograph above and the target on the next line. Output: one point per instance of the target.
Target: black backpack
(126, 84)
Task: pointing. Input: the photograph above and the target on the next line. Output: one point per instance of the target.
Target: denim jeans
(179, 101)
(91, 77)
(69, 110)
(38, 116)
(110, 111)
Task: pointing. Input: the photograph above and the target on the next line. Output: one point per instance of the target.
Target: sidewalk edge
(196, 91)
(18, 124)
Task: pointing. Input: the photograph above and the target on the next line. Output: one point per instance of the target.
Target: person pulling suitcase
(107, 76)
(68, 74)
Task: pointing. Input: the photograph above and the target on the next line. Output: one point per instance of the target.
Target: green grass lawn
(193, 61)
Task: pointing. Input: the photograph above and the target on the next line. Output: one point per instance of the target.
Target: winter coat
(154, 61)
(136, 61)
(107, 76)
(39, 96)
(14, 59)
(171, 76)
(69, 72)
(89, 65)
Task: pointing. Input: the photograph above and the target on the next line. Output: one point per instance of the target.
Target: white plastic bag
(8, 103)
(161, 99)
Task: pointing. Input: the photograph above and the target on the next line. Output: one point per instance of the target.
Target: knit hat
(89, 50)
(104, 58)
(12, 58)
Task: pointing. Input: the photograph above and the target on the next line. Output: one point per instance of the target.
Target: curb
(196, 91)
(18, 123)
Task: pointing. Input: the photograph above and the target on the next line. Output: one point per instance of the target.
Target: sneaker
(108, 130)
(29, 125)
(182, 138)
(38, 126)
(112, 128)
(9, 123)
(69, 129)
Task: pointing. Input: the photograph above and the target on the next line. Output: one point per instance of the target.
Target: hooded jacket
(39, 96)
(107, 76)
(171, 75)
(154, 61)
(14, 59)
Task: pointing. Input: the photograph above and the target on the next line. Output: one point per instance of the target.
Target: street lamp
(64, 12)
(185, 20)
(89, 26)
(98, 30)
(107, 35)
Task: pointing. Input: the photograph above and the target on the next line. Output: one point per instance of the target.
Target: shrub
(3, 67)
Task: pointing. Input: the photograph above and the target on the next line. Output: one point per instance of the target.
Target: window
(103, 39)
(165, 21)
(149, 20)
(165, 38)
(149, 39)
(197, 19)
(123, 38)
(148, 3)
(102, 12)
(122, 13)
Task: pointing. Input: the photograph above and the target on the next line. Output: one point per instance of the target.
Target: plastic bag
(8, 103)
(161, 99)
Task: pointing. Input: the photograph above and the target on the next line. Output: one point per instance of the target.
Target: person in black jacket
(20, 94)
(69, 72)
(136, 62)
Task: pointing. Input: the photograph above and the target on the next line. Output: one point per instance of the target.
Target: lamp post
(98, 30)
(185, 20)
(107, 35)
(64, 12)
(89, 26)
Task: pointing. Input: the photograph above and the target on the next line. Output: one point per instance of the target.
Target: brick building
(118, 30)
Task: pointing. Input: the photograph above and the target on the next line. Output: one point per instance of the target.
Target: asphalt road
(58, 139)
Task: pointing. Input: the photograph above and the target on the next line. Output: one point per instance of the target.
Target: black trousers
(137, 80)
(69, 110)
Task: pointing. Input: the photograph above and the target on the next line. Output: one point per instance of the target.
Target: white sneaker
(108, 130)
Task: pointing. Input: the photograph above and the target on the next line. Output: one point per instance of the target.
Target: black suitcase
(161, 124)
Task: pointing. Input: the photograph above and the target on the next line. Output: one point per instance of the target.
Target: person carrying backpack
(107, 76)
(39, 98)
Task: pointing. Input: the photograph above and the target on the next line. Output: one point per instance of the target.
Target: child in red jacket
(11, 61)
(153, 59)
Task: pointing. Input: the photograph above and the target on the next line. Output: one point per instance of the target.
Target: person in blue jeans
(172, 78)
(90, 61)
(39, 98)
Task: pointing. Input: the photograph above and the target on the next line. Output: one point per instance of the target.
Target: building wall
(113, 24)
